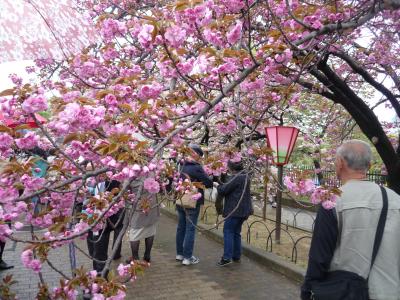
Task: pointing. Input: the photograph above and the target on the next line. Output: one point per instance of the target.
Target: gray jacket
(358, 211)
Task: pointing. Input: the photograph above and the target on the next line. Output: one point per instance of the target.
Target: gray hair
(356, 153)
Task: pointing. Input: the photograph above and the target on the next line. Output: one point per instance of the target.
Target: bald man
(343, 237)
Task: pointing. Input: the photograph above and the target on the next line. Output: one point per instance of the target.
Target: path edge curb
(270, 260)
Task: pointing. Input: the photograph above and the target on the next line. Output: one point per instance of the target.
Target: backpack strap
(180, 169)
(338, 218)
(380, 228)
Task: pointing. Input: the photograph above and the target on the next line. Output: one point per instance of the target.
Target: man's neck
(353, 176)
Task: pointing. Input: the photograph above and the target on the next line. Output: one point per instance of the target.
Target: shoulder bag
(187, 201)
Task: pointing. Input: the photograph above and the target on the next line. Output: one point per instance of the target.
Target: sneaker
(117, 257)
(5, 266)
(179, 257)
(236, 260)
(87, 297)
(224, 262)
(274, 205)
(131, 259)
(190, 261)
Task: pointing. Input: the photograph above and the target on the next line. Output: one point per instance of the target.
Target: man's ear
(339, 163)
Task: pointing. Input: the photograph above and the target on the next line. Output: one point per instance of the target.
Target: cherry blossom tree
(166, 73)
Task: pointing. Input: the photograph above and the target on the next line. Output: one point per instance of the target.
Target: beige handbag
(187, 201)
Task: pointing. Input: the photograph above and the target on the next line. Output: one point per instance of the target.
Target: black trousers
(2, 245)
(98, 244)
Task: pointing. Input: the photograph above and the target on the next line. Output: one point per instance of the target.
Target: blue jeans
(185, 232)
(233, 238)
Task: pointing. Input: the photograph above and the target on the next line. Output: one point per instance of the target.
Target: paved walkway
(167, 279)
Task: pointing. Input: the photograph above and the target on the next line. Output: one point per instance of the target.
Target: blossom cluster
(299, 187)
(28, 260)
(325, 196)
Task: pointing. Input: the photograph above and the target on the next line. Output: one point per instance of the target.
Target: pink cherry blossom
(214, 37)
(18, 225)
(218, 108)
(175, 36)
(234, 5)
(111, 28)
(123, 270)
(120, 295)
(235, 33)
(20, 206)
(35, 104)
(145, 35)
(93, 274)
(95, 288)
(150, 91)
(299, 187)
(325, 197)
(196, 196)
(316, 196)
(110, 99)
(77, 117)
(5, 231)
(328, 204)
(29, 141)
(151, 185)
(32, 183)
(5, 141)
(167, 125)
(26, 257)
(81, 226)
(35, 265)
(98, 297)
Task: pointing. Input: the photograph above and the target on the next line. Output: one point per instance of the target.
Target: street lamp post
(281, 139)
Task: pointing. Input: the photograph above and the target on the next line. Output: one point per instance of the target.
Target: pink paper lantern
(281, 139)
(28, 121)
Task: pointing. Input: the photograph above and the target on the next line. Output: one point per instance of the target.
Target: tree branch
(368, 78)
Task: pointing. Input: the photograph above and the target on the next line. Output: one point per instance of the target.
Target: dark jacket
(196, 173)
(323, 245)
(116, 220)
(235, 190)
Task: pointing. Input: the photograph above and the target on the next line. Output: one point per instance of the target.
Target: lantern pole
(278, 145)
(265, 191)
(278, 216)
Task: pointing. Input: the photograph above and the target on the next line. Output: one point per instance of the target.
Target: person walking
(344, 237)
(237, 208)
(3, 264)
(144, 226)
(39, 170)
(98, 241)
(187, 217)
